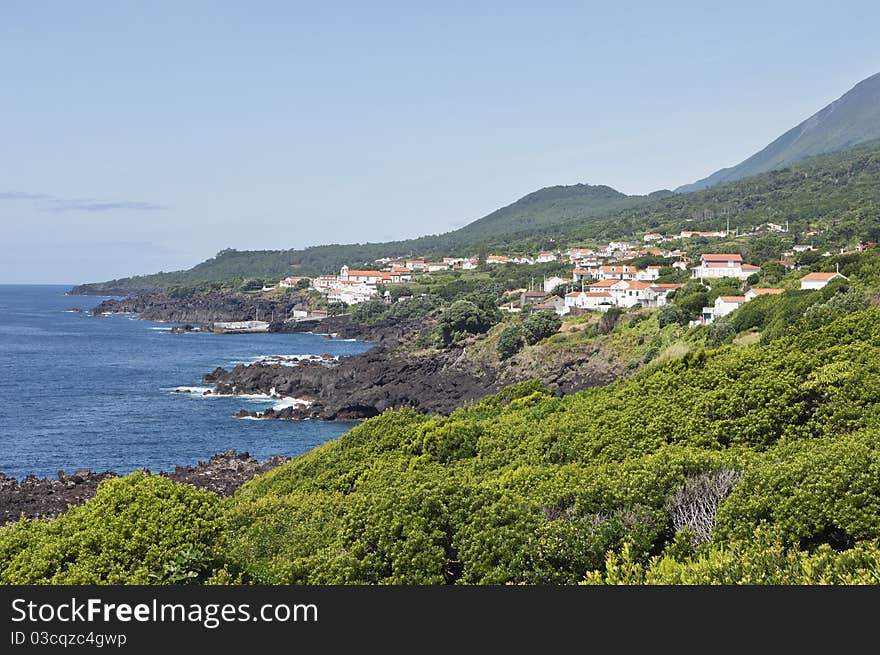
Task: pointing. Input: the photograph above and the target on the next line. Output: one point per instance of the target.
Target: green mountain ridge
(836, 195)
(546, 209)
(852, 119)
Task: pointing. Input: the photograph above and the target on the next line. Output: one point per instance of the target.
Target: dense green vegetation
(140, 529)
(852, 119)
(737, 464)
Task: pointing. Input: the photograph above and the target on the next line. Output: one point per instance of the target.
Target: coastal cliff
(387, 377)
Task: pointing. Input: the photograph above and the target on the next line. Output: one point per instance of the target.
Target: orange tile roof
(714, 257)
(766, 292)
(736, 299)
(820, 276)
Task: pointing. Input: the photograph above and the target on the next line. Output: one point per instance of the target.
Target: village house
(497, 259)
(433, 267)
(588, 300)
(576, 254)
(802, 247)
(816, 281)
(551, 283)
(292, 281)
(351, 293)
(579, 274)
(617, 272)
(657, 294)
(723, 306)
(650, 273)
(415, 265)
(531, 297)
(367, 277)
(545, 257)
(551, 304)
(751, 294)
(723, 265)
(468, 264)
(624, 293)
(323, 283)
(654, 236)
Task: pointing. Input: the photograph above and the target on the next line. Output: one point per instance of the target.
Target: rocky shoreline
(216, 307)
(45, 498)
(387, 377)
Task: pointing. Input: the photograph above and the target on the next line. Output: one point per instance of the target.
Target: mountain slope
(548, 207)
(851, 119)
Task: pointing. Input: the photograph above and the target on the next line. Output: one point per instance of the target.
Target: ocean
(79, 391)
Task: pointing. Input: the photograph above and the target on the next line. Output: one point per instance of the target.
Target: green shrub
(138, 529)
(540, 325)
(510, 341)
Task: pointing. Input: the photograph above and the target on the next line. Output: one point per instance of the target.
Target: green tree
(510, 341)
(670, 314)
(465, 317)
(336, 308)
(540, 325)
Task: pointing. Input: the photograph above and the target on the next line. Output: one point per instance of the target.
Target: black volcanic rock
(44, 498)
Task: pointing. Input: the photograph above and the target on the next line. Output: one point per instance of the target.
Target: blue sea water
(78, 391)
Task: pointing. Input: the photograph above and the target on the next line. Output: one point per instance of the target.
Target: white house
(579, 274)
(650, 273)
(469, 264)
(648, 238)
(323, 283)
(657, 295)
(624, 293)
(816, 281)
(545, 257)
(415, 264)
(576, 254)
(497, 259)
(724, 305)
(291, 281)
(751, 294)
(367, 277)
(617, 272)
(600, 300)
(351, 293)
(723, 265)
(433, 267)
(551, 283)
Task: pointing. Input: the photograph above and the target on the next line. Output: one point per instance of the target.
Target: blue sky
(137, 137)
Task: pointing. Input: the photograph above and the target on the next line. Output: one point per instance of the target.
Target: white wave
(161, 329)
(248, 418)
(286, 360)
(193, 391)
(290, 402)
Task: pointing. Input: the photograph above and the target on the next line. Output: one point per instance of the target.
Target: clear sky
(137, 137)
